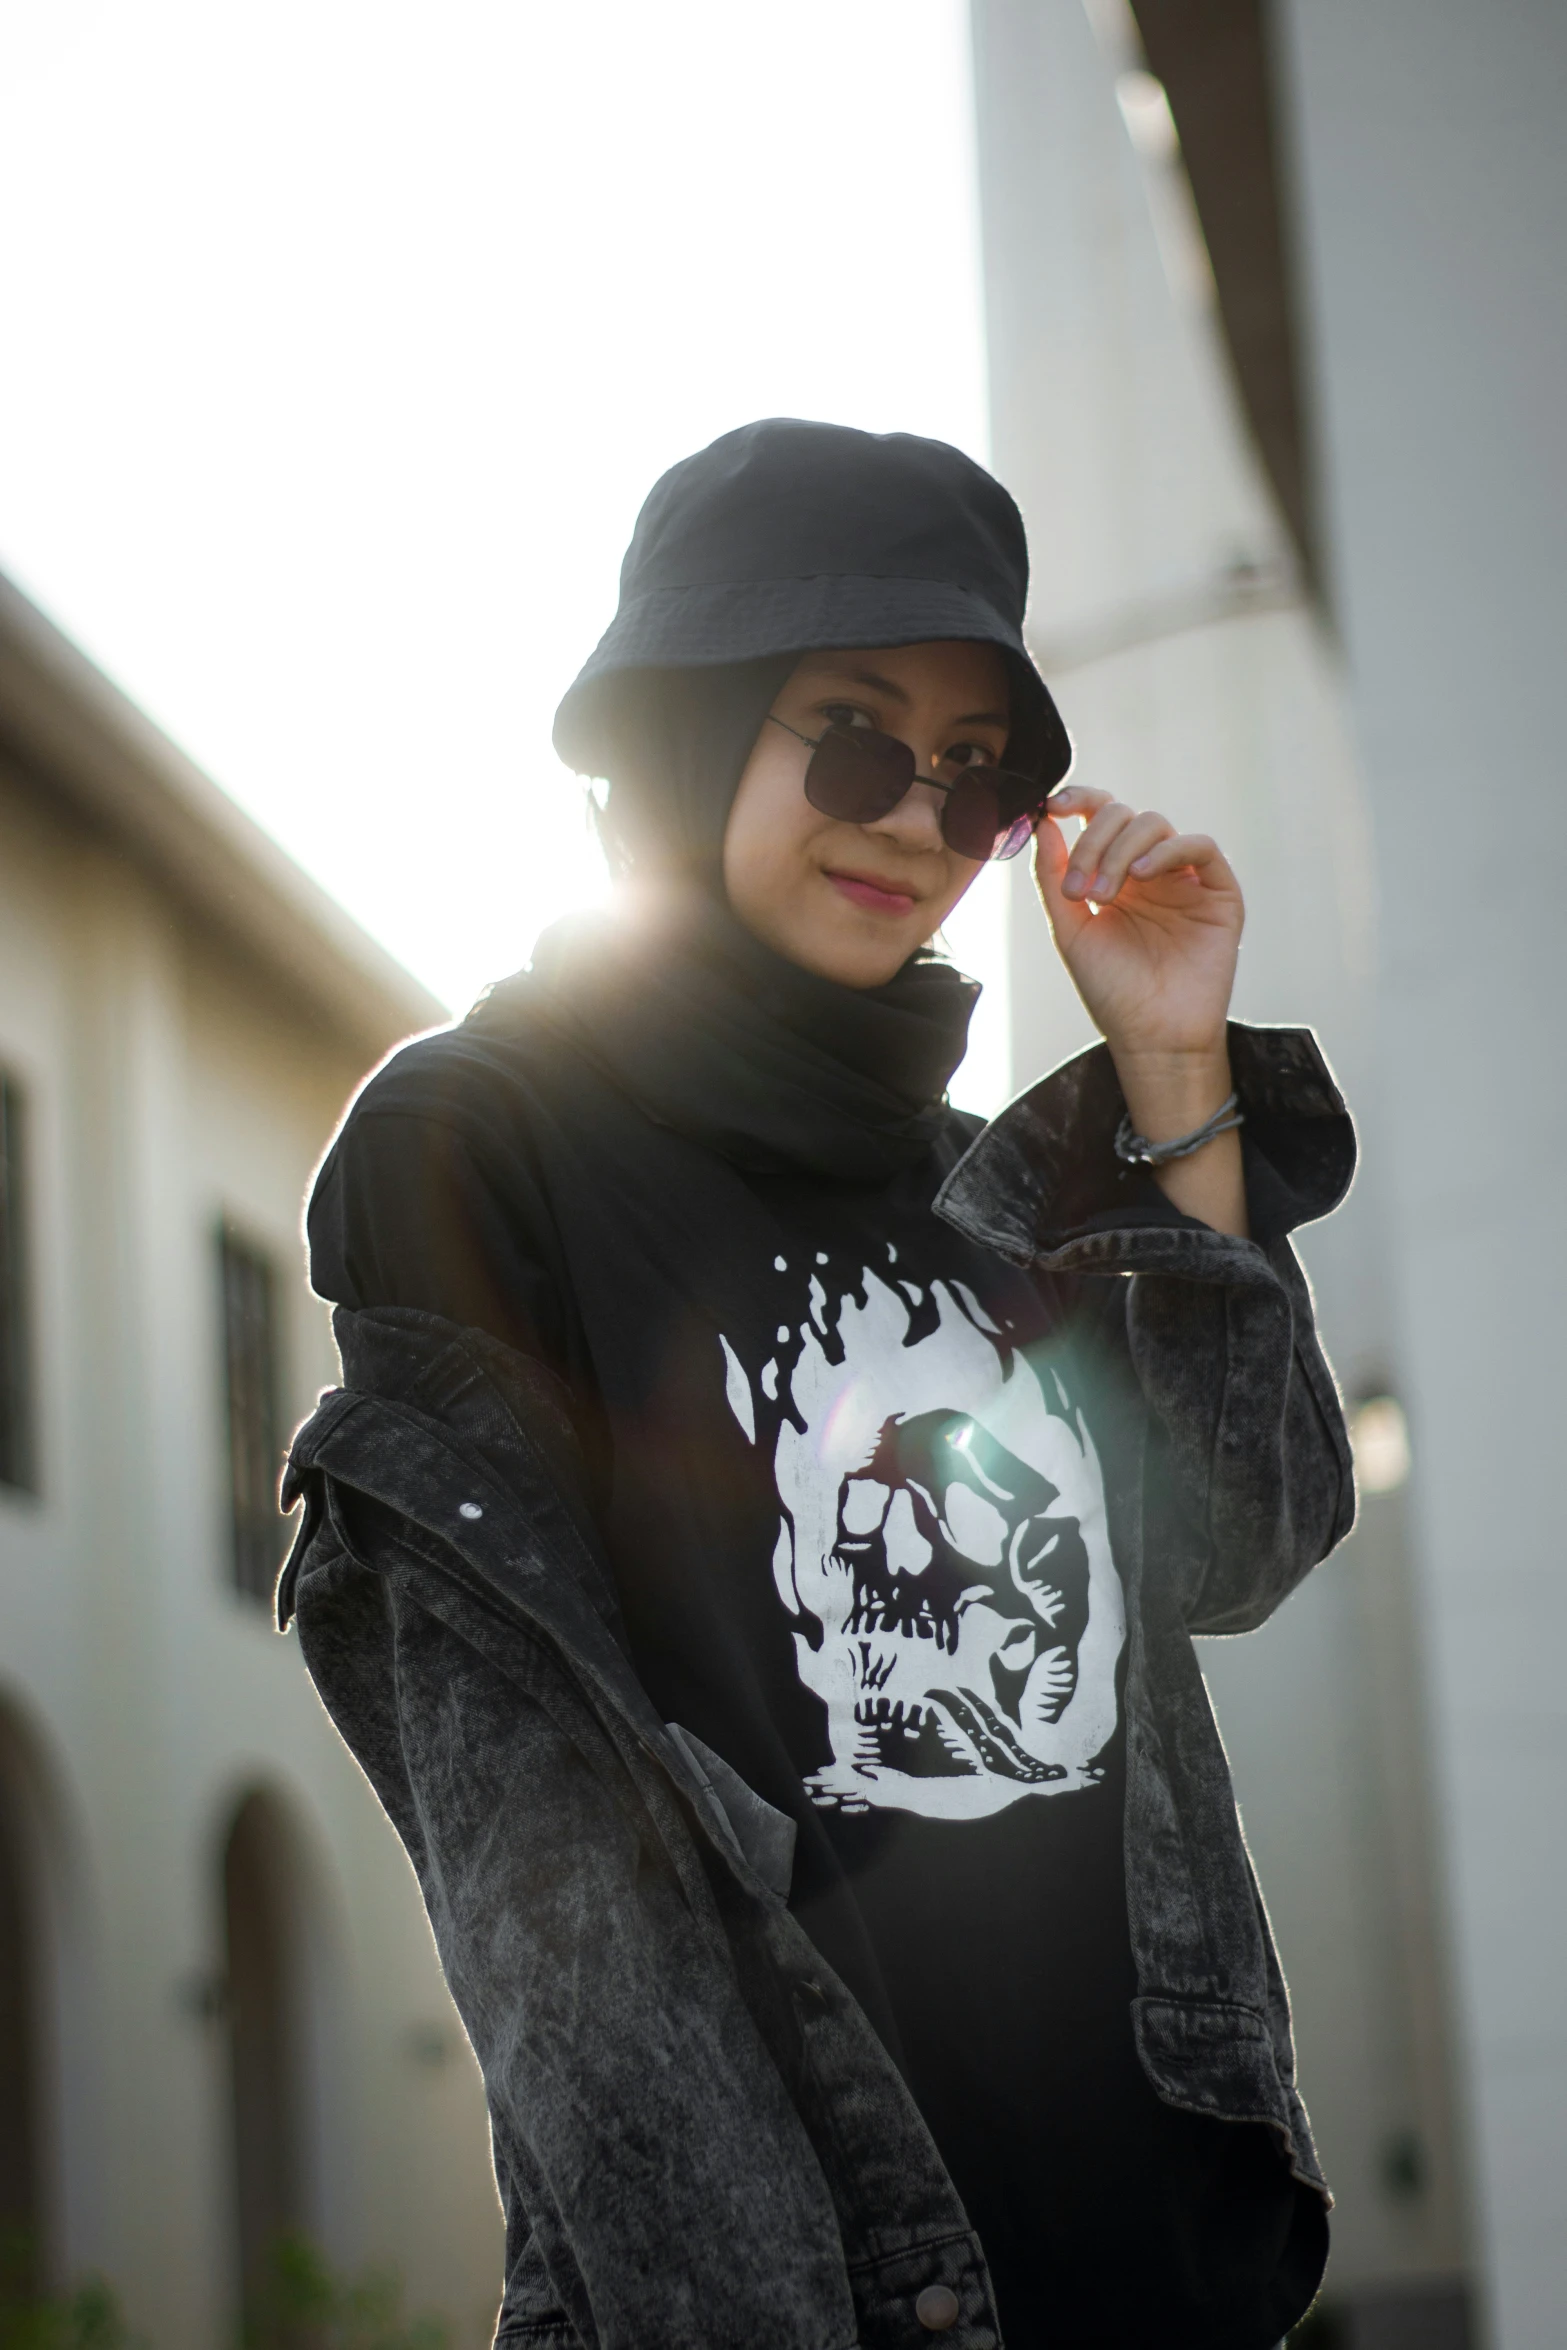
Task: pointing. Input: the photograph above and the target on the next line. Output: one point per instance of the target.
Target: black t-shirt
(846, 1475)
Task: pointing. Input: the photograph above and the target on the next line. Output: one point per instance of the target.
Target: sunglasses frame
(1011, 837)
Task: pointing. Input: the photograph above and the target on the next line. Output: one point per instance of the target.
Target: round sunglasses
(859, 774)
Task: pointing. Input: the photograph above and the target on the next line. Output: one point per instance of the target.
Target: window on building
(16, 1386)
(250, 1349)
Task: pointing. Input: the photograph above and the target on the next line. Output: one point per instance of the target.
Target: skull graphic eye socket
(864, 1505)
(974, 1525)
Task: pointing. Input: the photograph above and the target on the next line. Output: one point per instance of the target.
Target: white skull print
(944, 1557)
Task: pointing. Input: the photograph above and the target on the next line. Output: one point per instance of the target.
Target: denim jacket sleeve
(1248, 1480)
(660, 2189)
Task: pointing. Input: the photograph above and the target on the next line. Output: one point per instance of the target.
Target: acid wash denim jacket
(700, 2142)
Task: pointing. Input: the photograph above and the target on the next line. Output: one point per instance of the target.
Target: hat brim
(746, 620)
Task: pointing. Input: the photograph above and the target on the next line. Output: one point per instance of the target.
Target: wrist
(1169, 1092)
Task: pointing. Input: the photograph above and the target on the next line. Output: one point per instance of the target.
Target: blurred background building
(221, 2014)
(1276, 334)
(1274, 320)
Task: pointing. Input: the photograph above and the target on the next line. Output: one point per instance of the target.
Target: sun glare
(346, 340)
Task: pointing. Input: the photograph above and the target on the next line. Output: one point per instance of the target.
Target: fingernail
(1100, 888)
(1074, 886)
(1140, 864)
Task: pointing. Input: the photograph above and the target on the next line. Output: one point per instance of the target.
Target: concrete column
(1197, 679)
(1432, 181)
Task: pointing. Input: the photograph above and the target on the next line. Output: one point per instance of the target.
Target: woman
(755, 1550)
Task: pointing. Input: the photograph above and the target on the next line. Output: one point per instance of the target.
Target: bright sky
(342, 342)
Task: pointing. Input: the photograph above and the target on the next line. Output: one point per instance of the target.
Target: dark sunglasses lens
(1017, 836)
(857, 774)
(991, 813)
(971, 816)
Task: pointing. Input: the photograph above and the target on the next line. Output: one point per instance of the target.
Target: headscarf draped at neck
(671, 997)
(781, 536)
(713, 1035)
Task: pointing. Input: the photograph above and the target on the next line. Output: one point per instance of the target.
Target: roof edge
(81, 736)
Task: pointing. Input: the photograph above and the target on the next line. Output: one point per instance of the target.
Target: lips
(875, 896)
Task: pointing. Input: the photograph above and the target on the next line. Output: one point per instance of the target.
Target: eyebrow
(897, 693)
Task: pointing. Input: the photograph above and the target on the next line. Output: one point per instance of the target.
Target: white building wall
(1432, 172)
(167, 1086)
(1195, 679)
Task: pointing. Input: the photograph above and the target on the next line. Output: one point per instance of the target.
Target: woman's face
(853, 901)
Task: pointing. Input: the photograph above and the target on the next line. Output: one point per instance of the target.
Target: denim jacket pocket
(1210, 2056)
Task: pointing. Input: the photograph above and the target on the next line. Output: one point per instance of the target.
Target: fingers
(1050, 865)
(1180, 852)
(1077, 799)
(1111, 840)
(1118, 842)
(1113, 835)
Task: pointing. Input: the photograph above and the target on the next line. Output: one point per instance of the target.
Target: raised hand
(1148, 923)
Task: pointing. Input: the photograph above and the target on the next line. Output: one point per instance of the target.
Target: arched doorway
(269, 2033)
(21, 2162)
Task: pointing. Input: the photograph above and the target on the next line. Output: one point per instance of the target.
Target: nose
(915, 823)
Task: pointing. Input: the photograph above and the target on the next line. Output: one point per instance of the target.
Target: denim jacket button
(937, 2308)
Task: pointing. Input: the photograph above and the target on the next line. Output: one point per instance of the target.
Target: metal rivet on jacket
(937, 2308)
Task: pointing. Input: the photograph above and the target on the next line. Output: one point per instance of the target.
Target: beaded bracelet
(1138, 1151)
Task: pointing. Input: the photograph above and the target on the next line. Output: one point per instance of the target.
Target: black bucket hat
(787, 537)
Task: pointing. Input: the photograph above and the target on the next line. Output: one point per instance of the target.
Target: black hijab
(674, 744)
(715, 1036)
(707, 1029)
(780, 538)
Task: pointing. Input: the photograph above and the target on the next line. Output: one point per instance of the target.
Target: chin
(852, 962)
(833, 940)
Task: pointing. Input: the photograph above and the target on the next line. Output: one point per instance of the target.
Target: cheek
(768, 827)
